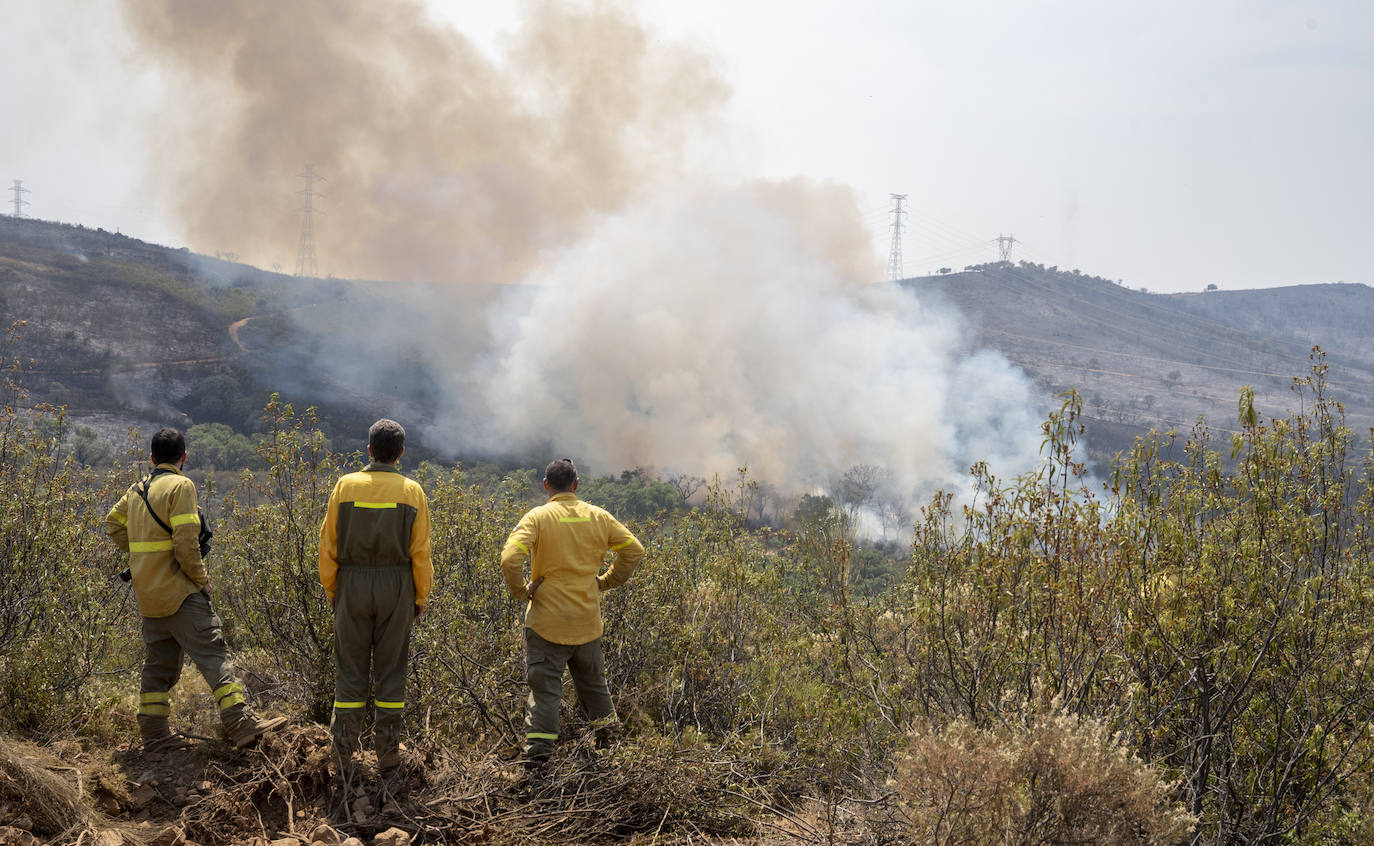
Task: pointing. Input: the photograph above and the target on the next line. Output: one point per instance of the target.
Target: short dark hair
(560, 474)
(168, 446)
(387, 438)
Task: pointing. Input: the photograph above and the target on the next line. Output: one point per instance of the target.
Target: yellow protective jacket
(377, 518)
(567, 540)
(166, 568)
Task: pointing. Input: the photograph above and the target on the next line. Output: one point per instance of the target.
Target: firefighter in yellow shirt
(158, 524)
(375, 567)
(566, 541)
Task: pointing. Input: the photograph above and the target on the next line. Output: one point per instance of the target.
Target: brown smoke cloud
(440, 163)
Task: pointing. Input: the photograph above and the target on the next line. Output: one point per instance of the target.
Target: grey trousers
(544, 664)
(374, 610)
(194, 631)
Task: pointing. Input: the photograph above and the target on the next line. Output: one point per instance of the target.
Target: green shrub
(65, 619)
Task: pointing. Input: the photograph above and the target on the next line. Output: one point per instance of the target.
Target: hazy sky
(1169, 144)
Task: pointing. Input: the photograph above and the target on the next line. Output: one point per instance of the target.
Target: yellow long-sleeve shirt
(567, 540)
(166, 568)
(377, 518)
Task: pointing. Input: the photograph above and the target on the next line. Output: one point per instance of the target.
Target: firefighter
(158, 523)
(566, 541)
(375, 567)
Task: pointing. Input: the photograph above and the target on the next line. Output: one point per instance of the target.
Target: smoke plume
(440, 164)
(716, 328)
(660, 321)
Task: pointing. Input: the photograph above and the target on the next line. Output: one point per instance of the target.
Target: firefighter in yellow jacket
(375, 567)
(158, 524)
(566, 541)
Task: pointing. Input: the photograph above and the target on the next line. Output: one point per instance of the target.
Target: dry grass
(52, 793)
(29, 778)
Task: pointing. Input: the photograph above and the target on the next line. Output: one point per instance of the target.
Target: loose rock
(170, 836)
(143, 795)
(392, 837)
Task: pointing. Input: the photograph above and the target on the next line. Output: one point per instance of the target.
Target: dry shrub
(51, 801)
(650, 785)
(1056, 778)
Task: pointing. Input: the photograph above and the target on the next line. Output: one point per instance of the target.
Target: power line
(306, 263)
(19, 201)
(894, 259)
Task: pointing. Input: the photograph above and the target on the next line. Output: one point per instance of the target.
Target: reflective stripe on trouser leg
(544, 663)
(229, 695)
(155, 703)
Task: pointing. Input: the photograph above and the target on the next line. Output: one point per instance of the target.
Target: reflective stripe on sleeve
(523, 548)
(183, 519)
(374, 505)
(622, 545)
(151, 546)
(121, 519)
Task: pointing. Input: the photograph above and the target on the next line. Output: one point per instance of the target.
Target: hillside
(130, 334)
(134, 334)
(1149, 361)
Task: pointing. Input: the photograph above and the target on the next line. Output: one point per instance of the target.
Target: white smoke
(717, 328)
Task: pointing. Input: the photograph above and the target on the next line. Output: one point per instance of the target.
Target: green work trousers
(374, 609)
(544, 664)
(194, 631)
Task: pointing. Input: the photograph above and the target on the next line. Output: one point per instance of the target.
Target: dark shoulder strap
(143, 492)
